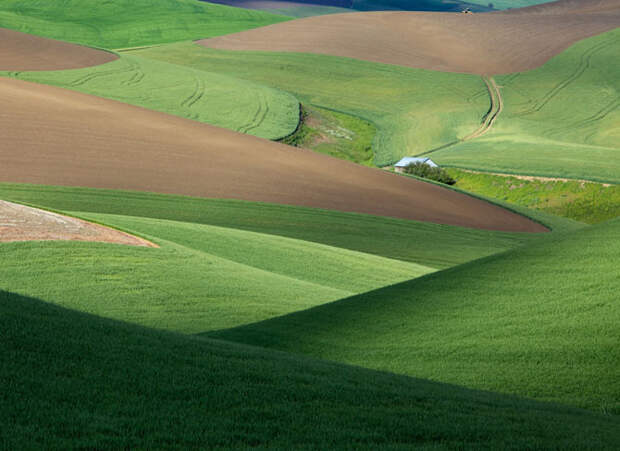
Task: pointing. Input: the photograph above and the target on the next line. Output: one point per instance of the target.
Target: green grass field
(202, 278)
(128, 23)
(79, 381)
(336, 134)
(539, 322)
(216, 99)
(435, 245)
(413, 110)
(586, 202)
(561, 120)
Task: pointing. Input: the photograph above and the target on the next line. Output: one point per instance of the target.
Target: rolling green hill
(128, 23)
(202, 278)
(219, 100)
(539, 321)
(78, 381)
(223, 264)
(413, 110)
(560, 120)
(427, 244)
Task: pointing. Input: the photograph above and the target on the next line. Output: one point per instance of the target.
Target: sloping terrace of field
(490, 43)
(22, 51)
(58, 137)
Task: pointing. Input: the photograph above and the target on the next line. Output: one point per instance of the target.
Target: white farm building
(403, 163)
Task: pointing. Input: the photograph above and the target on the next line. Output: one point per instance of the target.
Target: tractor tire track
(488, 120)
(591, 120)
(584, 64)
(259, 116)
(197, 94)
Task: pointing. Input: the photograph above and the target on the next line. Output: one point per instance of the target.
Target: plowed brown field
(59, 137)
(21, 52)
(485, 44)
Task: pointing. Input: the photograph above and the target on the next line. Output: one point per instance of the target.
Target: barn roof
(404, 162)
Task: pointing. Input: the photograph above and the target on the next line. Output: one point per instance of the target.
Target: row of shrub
(429, 172)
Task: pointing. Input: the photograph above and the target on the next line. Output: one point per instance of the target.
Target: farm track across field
(495, 109)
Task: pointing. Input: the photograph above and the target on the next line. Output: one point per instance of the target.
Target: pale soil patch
(485, 44)
(22, 223)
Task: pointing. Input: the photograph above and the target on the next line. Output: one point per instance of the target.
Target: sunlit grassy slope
(202, 278)
(216, 99)
(583, 201)
(540, 322)
(413, 110)
(427, 244)
(560, 120)
(72, 380)
(127, 23)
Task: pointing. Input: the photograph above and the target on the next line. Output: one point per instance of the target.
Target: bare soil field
(22, 223)
(24, 52)
(59, 137)
(486, 44)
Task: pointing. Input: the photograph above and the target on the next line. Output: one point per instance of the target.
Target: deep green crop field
(561, 120)
(128, 23)
(79, 381)
(224, 264)
(219, 100)
(539, 321)
(413, 110)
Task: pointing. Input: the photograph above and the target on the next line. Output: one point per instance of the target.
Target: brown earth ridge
(24, 52)
(54, 136)
(485, 44)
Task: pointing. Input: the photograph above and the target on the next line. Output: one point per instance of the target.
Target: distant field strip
(128, 23)
(414, 110)
(215, 99)
(560, 120)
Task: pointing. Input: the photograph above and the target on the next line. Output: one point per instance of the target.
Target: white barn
(403, 163)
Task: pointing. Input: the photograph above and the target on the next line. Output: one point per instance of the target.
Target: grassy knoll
(539, 321)
(128, 23)
(202, 278)
(560, 120)
(413, 110)
(427, 244)
(586, 202)
(73, 380)
(335, 134)
(219, 100)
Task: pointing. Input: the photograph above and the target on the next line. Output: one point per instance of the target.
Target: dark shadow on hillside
(73, 380)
